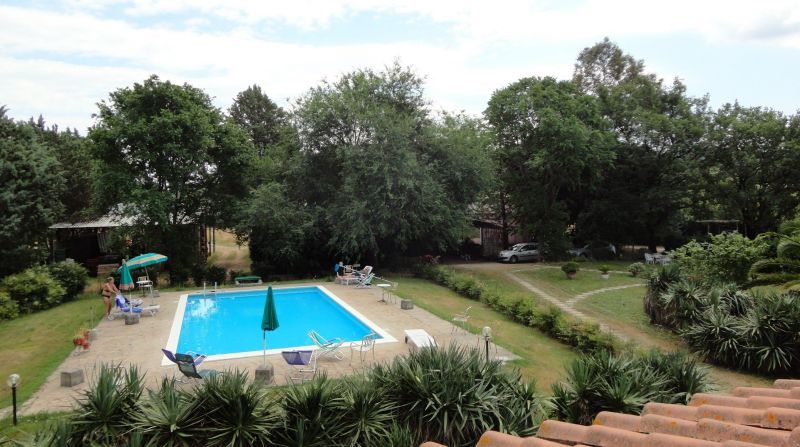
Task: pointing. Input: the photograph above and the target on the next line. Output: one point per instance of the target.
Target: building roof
(749, 417)
(114, 218)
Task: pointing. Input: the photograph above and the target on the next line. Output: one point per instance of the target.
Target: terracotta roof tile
(751, 417)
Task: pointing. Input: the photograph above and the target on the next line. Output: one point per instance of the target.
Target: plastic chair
(460, 320)
(366, 344)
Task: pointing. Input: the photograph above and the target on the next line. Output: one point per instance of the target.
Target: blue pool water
(230, 322)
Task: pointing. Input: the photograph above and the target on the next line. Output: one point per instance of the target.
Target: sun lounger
(419, 338)
(122, 308)
(304, 364)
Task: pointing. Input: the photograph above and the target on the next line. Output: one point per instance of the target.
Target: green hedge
(34, 289)
(584, 336)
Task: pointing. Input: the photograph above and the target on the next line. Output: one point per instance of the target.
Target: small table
(384, 292)
(419, 338)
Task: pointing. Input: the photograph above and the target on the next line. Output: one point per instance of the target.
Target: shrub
(215, 274)
(636, 268)
(726, 257)
(570, 267)
(71, 275)
(624, 383)
(452, 395)
(9, 309)
(104, 412)
(34, 289)
(604, 269)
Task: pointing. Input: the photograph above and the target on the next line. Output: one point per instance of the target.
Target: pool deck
(141, 344)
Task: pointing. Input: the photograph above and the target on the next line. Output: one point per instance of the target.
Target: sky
(60, 58)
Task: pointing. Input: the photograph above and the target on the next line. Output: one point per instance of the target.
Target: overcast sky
(60, 58)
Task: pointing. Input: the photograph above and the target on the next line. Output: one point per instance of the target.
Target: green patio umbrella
(145, 260)
(125, 278)
(269, 322)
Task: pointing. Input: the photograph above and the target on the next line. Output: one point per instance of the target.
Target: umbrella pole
(265, 347)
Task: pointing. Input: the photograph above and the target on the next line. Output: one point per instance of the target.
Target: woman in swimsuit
(109, 290)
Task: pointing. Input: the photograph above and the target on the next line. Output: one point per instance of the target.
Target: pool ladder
(214, 291)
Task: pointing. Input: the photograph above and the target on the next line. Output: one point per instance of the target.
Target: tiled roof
(750, 417)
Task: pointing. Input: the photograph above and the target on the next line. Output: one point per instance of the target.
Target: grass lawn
(555, 282)
(34, 345)
(621, 266)
(622, 311)
(542, 357)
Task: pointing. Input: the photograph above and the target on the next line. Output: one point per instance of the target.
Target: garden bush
(570, 267)
(34, 289)
(71, 275)
(9, 309)
(215, 274)
(624, 383)
(636, 268)
(726, 257)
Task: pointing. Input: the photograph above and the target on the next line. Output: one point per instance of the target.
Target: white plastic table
(384, 292)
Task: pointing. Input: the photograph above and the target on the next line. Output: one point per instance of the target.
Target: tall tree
(30, 186)
(553, 145)
(646, 192)
(167, 151)
(751, 164)
(260, 117)
(381, 175)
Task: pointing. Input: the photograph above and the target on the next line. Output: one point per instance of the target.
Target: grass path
(618, 311)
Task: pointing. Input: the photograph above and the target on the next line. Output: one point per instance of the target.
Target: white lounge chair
(649, 259)
(327, 347)
(419, 338)
(365, 281)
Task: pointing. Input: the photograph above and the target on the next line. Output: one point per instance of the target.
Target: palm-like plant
(452, 395)
(366, 414)
(682, 303)
(104, 412)
(785, 268)
(169, 417)
(312, 414)
(716, 336)
(235, 413)
(770, 333)
(657, 283)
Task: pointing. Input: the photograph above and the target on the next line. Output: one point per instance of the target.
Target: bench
(247, 280)
(419, 338)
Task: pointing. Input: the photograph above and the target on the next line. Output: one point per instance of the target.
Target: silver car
(528, 251)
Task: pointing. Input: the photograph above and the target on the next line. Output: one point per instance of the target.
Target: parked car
(594, 250)
(528, 251)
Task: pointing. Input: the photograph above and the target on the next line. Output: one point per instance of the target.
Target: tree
(379, 174)
(645, 195)
(30, 186)
(166, 151)
(752, 158)
(553, 146)
(259, 116)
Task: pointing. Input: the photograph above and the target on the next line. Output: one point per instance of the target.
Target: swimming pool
(227, 325)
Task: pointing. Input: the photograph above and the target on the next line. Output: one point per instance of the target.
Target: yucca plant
(657, 283)
(367, 415)
(716, 336)
(105, 412)
(312, 414)
(58, 434)
(682, 303)
(450, 395)
(235, 413)
(400, 436)
(770, 333)
(170, 417)
(624, 383)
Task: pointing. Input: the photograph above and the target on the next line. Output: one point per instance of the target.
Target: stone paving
(141, 344)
